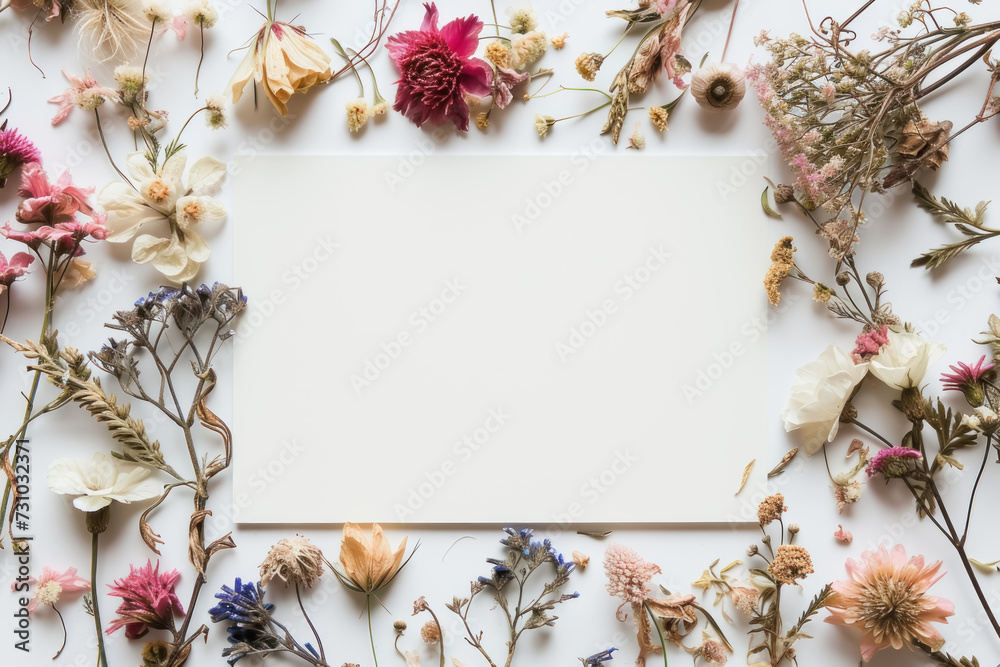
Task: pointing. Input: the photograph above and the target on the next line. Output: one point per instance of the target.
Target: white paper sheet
(441, 339)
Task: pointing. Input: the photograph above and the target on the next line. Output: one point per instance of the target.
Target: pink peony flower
(437, 69)
(148, 601)
(870, 342)
(15, 150)
(47, 202)
(83, 92)
(885, 596)
(13, 269)
(628, 573)
(52, 584)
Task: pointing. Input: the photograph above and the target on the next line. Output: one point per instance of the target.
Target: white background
(960, 298)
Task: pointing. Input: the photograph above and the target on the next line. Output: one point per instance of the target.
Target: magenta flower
(148, 601)
(47, 202)
(892, 462)
(15, 150)
(438, 69)
(83, 92)
(52, 584)
(870, 342)
(13, 269)
(967, 379)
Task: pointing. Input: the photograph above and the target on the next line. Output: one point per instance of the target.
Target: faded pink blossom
(870, 342)
(438, 68)
(843, 535)
(50, 203)
(891, 461)
(13, 269)
(963, 375)
(885, 596)
(664, 7)
(503, 85)
(83, 92)
(148, 601)
(52, 584)
(628, 573)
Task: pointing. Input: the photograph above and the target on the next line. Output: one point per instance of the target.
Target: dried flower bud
(399, 626)
(848, 414)
(875, 279)
(559, 41)
(784, 194)
(753, 550)
(659, 116)
(543, 123)
(582, 560)
(97, 521)
(793, 528)
(293, 560)
(822, 293)
(719, 86)
(483, 120)
(791, 563)
(843, 278)
(497, 53)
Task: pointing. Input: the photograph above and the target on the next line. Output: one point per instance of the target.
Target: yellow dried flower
(781, 266)
(821, 293)
(659, 116)
(589, 64)
(559, 41)
(293, 560)
(543, 123)
(482, 120)
(791, 563)
(497, 53)
(357, 114)
(368, 566)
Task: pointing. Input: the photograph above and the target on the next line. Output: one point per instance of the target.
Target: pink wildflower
(870, 342)
(13, 269)
(148, 601)
(47, 202)
(842, 535)
(503, 85)
(965, 377)
(628, 573)
(891, 462)
(83, 92)
(52, 584)
(438, 69)
(15, 150)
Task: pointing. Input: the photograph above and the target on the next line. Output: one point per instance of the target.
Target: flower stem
(201, 59)
(659, 632)
(101, 654)
(104, 142)
(319, 640)
(63, 622)
(371, 636)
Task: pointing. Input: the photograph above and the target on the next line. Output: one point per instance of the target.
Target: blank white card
(534, 340)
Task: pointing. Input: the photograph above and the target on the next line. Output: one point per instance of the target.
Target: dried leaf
(677, 605)
(196, 533)
(746, 476)
(766, 205)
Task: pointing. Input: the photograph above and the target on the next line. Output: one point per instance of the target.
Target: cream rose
(903, 361)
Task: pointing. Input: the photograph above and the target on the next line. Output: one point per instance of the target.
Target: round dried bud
(293, 560)
(913, 404)
(875, 279)
(793, 528)
(399, 626)
(843, 278)
(155, 652)
(753, 550)
(849, 413)
(766, 539)
(431, 632)
(719, 86)
(784, 194)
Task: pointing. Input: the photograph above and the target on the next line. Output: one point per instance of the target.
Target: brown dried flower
(714, 652)
(791, 563)
(719, 86)
(293, 560)
(770, 509)
(781, 265)
(659, 116)
(431, 632)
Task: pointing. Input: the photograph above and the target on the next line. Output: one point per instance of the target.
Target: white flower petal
(206, 176)
(91, 503)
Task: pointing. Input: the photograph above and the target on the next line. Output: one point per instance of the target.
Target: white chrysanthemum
(522, 19)
(203, 13)
(157, 11)
(100, 481)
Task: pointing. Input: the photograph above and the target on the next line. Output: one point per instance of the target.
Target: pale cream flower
(522, 19)
(559, 41)
(903, 361)
(293, 560)
(77, 273)
(162, 197)
(157, 10)
(215, 111)
(358, 114)
(543, 123)
(284, 60)
(819, 396)
(100, 481)
(526, 49)
(202, 13)
(719, 86)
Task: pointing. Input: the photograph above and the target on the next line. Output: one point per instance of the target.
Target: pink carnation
(438, 69)
(15, 150)
(628, 573)
(870, 342)
(148, 601)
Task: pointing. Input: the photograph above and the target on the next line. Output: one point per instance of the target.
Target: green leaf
(766, 205)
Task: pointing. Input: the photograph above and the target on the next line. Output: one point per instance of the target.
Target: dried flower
(251, 628)
(157, 11)
(589, 64)
(771, 509)
(15, 150)
(448, 54)
(148, 601)
(294, 560)
(582, 560)
(819, 397)
(638, 139)
(791, 563)
(719, 86)
(285, 60)
(357, 114)
(628, 573)
(559, 41)
(163, 197)
(713, 652)
(504, 82)
(399, 626)
(596, 659)
(368, 566)
(83, 92)
(543, 123)
(526, 49)
(497, 53)
(100, 481)
(202, 13)
(782, 265)
(215, 107)
(744, 599)
(892, 462)
(842, 535)
(968, 380)
(870, 341)
(659, 116)
(846, 494)
(522, 19)
(114, 28)
(903, 361)
(52, 584)
(886, 597)
(431, 632)
(13, 269)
